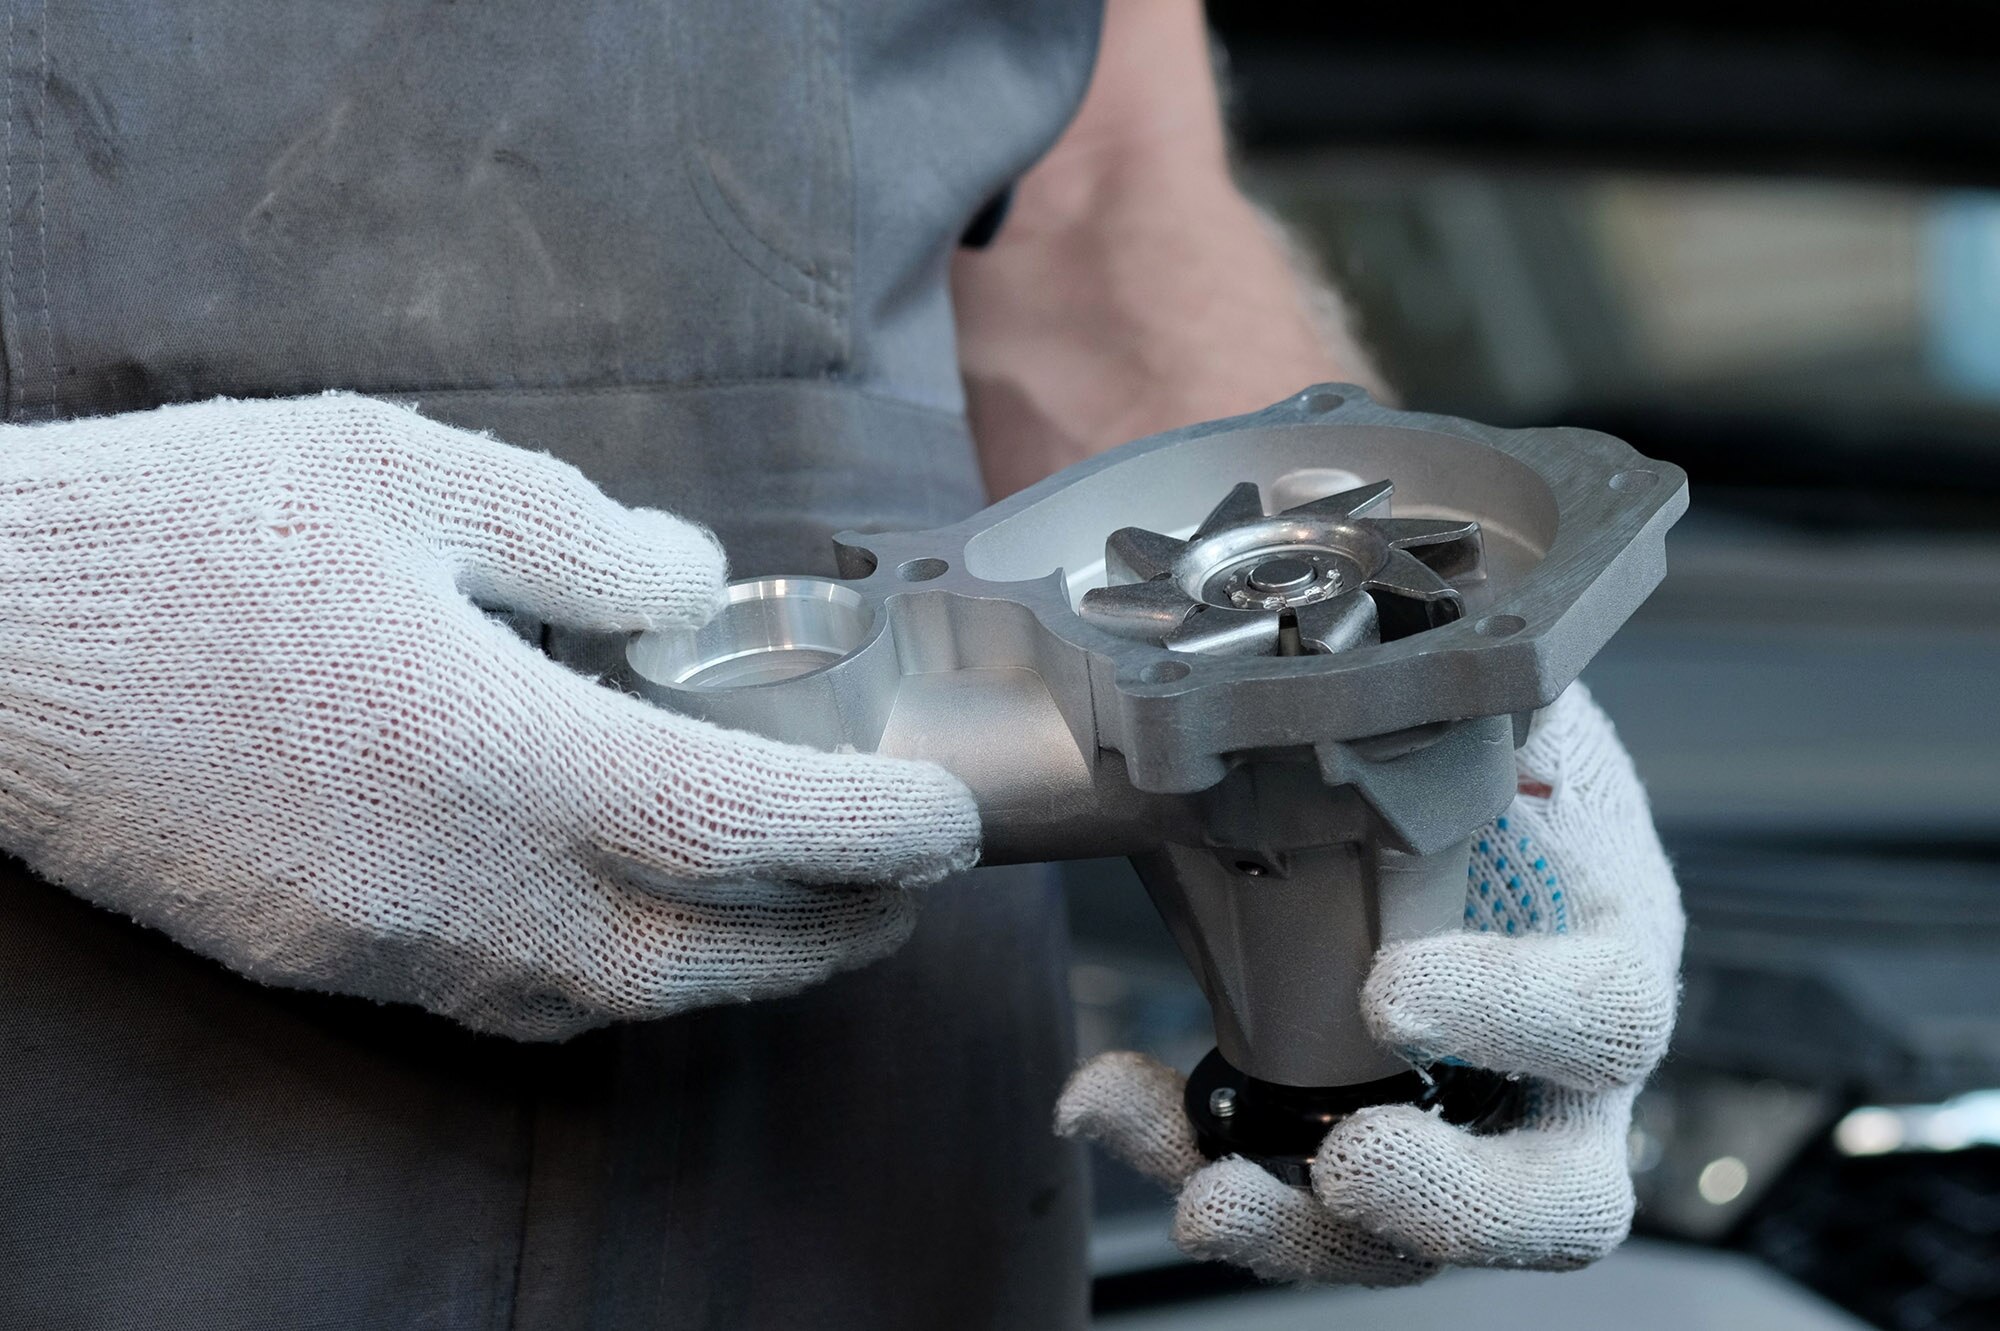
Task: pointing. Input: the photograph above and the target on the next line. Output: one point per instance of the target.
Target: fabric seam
(837, 387)
(42, 211)
(835, 15)
(510, 1314)
(9, 303)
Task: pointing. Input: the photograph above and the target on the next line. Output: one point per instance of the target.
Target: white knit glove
(246, 698)
(1565, 973)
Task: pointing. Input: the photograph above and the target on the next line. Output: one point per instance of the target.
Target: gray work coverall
(699, 248)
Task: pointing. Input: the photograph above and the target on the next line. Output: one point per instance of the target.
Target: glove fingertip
(1234, 1211)
(1583, 1011)
(1370, 1161)
(675, 573)
(1546, 1198)
(952, 813)
(779, 810)
(1416, 987)
(925, 827)
(1129, 1104)
(558, 548)
(1108, 1086)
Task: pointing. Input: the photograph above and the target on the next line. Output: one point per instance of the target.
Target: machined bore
(766, 631)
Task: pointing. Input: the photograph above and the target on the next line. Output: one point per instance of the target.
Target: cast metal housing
(1281, 661)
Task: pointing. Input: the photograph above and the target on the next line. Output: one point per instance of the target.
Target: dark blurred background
(1761, 241)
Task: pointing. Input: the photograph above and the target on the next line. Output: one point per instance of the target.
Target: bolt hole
(922, 570)
(855, 561)
(1321, 403)
(1499, 626)
(1251, 869)
(1164, 672)
(1630, 481)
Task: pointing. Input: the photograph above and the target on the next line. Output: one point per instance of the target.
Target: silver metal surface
(768, 630)
(1278, 660)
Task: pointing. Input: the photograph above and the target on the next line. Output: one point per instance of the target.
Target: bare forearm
(1134, 288)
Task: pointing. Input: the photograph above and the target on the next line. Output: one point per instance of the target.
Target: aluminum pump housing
(1282, 661)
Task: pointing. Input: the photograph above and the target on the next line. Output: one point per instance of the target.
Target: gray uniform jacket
(699, 248)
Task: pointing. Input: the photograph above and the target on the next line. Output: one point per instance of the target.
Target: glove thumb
(531, 534)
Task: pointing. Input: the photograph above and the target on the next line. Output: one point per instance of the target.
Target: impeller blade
(1447, 546)
(1410, 598)
(1222, 632)
(1243, 504)
(1338, 624)
(1145, 610)
(1403, 574)
(1347, 504)
(1133, 554)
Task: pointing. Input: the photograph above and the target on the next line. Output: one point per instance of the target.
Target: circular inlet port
(769, 629)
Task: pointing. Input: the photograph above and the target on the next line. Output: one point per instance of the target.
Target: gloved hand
(246, 698)
(1564, 973)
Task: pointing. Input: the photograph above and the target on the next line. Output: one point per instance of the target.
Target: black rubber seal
(1281, 1127)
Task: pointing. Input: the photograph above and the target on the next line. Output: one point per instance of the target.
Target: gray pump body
(1289, 813)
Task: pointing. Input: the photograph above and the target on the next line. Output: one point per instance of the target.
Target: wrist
(1162, 298)
(1134, 288)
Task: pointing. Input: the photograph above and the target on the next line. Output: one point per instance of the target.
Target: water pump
(1282, 661)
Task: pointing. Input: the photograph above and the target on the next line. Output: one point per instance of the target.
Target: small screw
(1222, 1102)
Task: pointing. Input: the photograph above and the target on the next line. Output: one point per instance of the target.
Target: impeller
(1324, 576)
